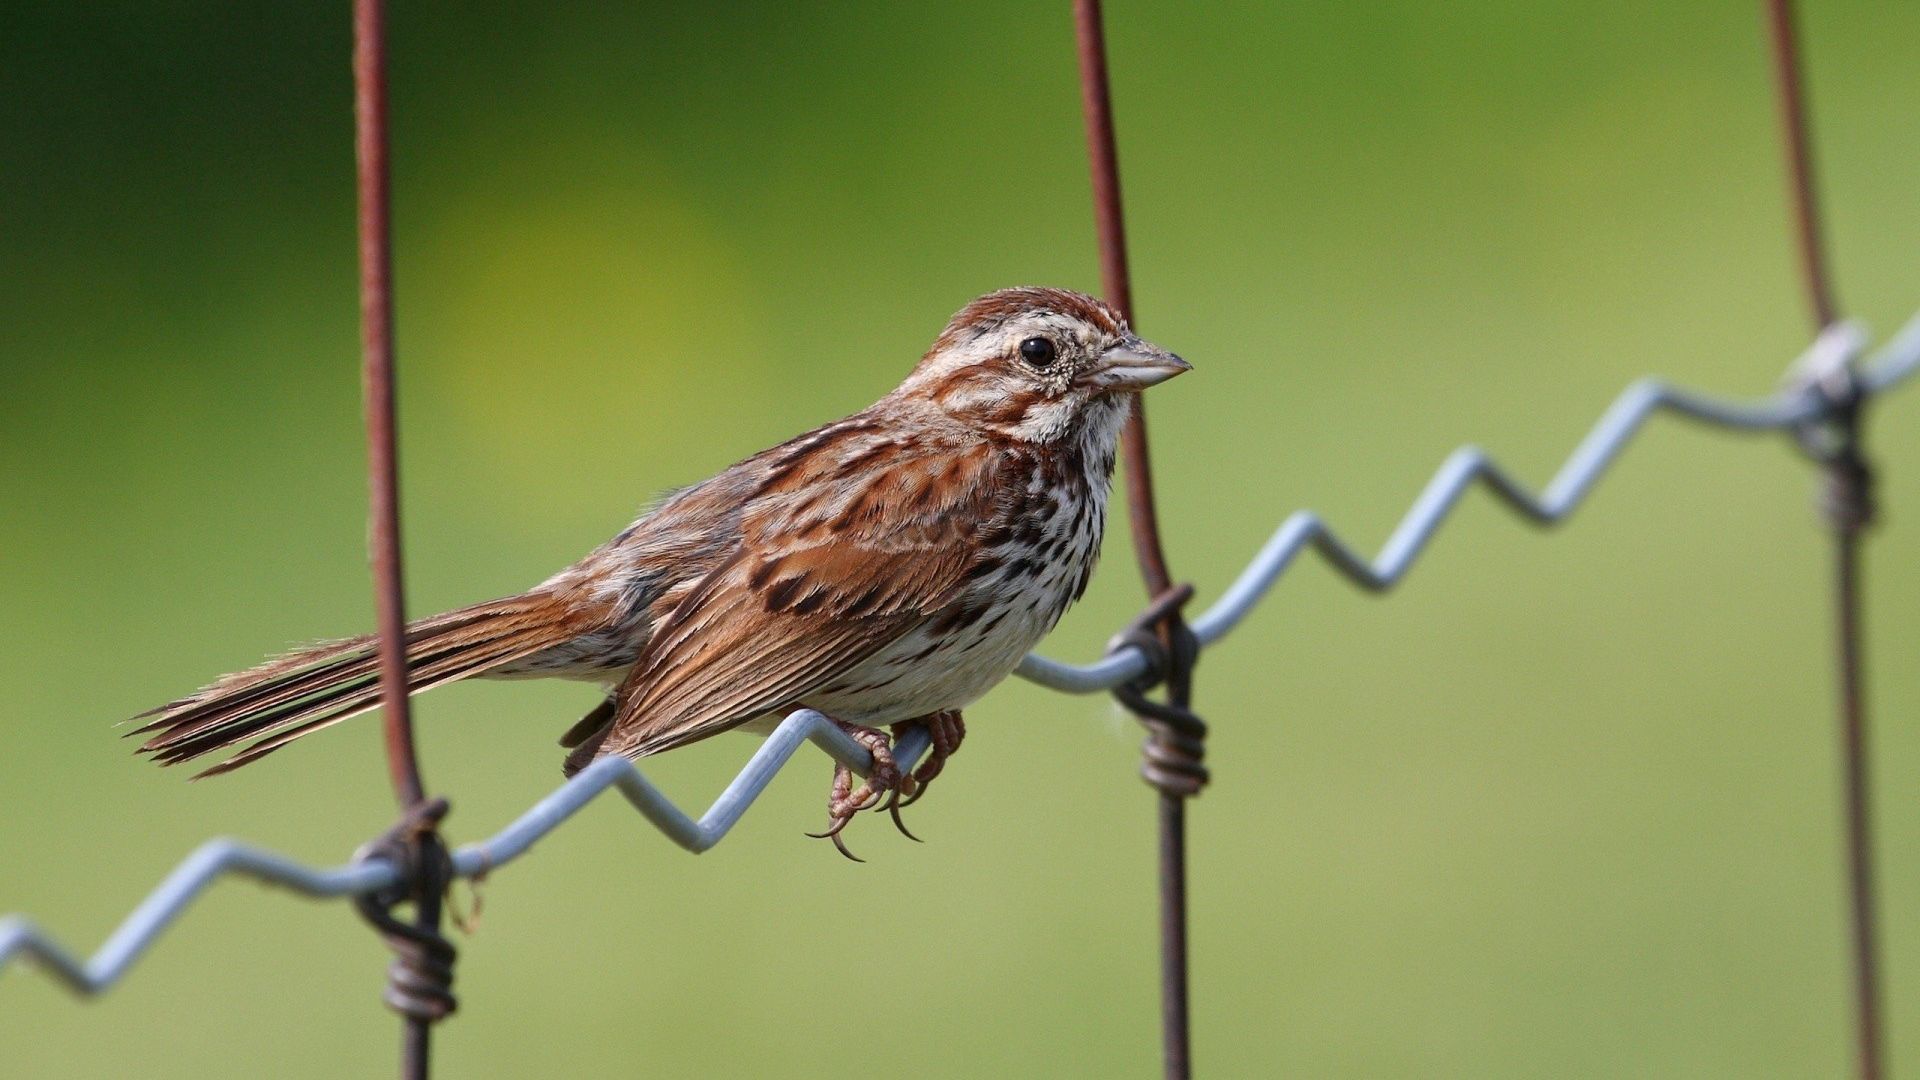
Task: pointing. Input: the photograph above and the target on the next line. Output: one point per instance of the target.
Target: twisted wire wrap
(1846, 498)
(420, 979)
(1832, 438)
(1176, 743)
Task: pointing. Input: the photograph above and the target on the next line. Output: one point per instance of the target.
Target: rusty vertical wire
(376, 346)
(1097, 107)
(1848, 505)
(376, 350)
(1859, 820)
(1103, 161)
(1783, 31)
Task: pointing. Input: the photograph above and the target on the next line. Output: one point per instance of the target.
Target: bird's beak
(1134, 365)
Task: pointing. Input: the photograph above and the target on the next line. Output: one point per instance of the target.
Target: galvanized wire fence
(1820, 405)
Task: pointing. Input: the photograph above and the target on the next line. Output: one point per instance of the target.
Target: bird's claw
(946, 730)
(884, 779)
(885, 785)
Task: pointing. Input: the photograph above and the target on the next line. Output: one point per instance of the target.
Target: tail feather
(253, 708)
(303, 670)
(290, 728)
(279, 726)
(320, 685)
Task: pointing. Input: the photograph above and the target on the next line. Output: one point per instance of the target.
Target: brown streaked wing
(818, 585)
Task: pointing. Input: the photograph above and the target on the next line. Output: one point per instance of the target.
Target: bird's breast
(1035, 561)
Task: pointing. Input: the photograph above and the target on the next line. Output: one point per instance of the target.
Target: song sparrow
(886, 570)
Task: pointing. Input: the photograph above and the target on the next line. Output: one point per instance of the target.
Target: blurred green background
(1561, 806)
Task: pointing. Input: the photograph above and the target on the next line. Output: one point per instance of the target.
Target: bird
(886, 570)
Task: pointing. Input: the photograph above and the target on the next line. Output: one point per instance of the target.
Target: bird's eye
(1037, 351)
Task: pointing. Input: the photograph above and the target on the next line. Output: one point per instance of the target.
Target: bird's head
(1038, 365)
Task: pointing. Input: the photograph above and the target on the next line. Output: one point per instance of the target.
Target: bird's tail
(320, 685)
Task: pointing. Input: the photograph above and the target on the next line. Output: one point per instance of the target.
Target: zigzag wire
(20, 938)
(1800, 404)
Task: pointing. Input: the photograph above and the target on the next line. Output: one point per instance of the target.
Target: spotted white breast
(1039, 557)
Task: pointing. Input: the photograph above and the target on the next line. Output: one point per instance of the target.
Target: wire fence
(1823, 395)
(1802, 403)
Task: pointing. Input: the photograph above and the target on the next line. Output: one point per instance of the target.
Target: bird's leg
(844, 801)
(946, 730)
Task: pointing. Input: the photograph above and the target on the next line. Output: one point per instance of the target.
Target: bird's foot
(947, 730)
(883, 779)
